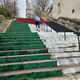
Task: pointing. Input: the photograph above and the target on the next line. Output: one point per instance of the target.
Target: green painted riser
(28, 66)
(12, 33)
(3, 37)
(19, 30)
(20, 44)
(23, 52)
(18, 27)
(13, 30)
(35, 41)
(25, 35)
(21, 47)
(14, 37)
(25, 58)
(20, 40)
(16, 34)
(44, 74)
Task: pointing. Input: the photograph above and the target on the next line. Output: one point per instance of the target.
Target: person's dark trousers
(37, 24)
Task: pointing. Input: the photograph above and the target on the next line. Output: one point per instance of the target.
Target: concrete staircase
(23, 55)
(26, 55)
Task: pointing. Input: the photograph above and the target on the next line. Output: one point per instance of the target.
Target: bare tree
(40, 6)
(10, 5)
(7, 7)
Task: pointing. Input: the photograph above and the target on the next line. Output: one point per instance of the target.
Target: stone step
(16, 42)
(56, 78)
(19, 37)
(23, 52)
(21, 58)
(27, 65)
(15, 33)
(66, 55)
(26, 62)
(21, 43)
(34, 74)
(37, 71)
(29, 71)
(19, 40)
(12, 47)
(25, 55)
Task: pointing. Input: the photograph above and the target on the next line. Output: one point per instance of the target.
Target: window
(59, 4)
(73, 11)
(59, 8)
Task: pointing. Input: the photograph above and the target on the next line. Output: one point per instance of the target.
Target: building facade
(29, 10)
(66, 8)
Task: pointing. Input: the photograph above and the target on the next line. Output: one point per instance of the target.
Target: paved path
(4, 25)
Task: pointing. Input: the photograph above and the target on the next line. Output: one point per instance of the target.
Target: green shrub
(1, 18)
(5, 12)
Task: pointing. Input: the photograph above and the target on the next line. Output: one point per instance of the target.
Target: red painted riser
(28, 20)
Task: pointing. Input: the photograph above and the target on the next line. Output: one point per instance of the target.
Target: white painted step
(54, 40)
(65, 55)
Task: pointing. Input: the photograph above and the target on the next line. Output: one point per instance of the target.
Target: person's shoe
(36, 29)
(39, 29)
